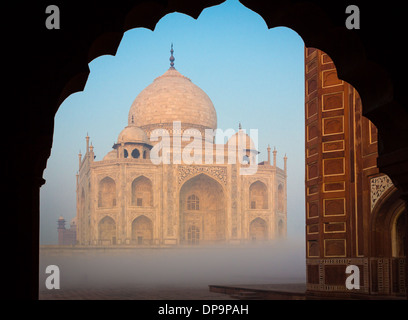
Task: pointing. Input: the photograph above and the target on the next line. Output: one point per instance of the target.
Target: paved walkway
(158, 293)
(167, 292)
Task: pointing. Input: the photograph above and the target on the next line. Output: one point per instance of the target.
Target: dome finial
(172, 58)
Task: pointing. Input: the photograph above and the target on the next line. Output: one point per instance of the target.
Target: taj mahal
(166, 181)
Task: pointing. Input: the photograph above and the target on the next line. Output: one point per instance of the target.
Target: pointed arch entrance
(107, 231)
(142, 231)
(387, 245)
(202, 211)
(258, 230)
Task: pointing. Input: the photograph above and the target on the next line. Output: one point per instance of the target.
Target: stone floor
(166, 292)
(157, 293)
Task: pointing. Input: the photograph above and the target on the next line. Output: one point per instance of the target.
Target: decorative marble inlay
(217, 172)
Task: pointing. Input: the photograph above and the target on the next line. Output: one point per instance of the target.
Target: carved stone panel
(217, 172)
(378, 186)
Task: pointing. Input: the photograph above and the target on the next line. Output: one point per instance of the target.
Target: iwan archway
(202, 211)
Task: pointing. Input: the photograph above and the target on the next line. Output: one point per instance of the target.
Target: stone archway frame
(59, 67)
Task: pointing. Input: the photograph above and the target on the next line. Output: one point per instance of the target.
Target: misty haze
(184, 267)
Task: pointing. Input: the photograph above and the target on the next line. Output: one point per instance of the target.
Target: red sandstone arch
(387, 243)
(383, 217)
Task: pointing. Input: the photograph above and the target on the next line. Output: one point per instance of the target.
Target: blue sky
(252, 74)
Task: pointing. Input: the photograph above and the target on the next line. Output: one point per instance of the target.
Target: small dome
(110, 155)
(172, 97)
(133, 134)
(241, 139)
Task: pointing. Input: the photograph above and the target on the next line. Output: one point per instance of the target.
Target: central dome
(172, 97)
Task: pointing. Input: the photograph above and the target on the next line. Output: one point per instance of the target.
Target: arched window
(142, 192)
(125, 153)
(135, 153)
(193, 203)
(258, 196)
(245, 159)
(107, 193)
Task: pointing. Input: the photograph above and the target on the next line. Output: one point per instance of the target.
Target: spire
(274, 156)
(91, 153)
(79, 158)
(172, 58)
(87, 142)
(240, 126)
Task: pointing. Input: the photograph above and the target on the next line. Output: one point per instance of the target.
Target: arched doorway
(193, 235)
(142, 231)
(387, 244)
(258, 230)
(398, 235)
(202, 211)
(107, 231)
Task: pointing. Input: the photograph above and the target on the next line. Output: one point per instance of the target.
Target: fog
(280, 261)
